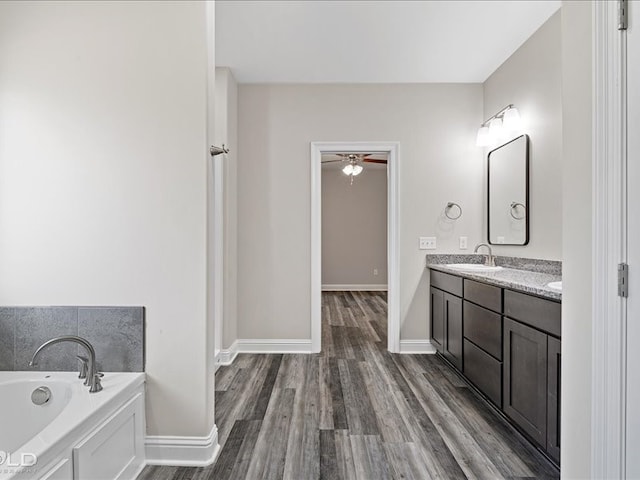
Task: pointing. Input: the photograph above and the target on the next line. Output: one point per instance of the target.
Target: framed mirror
(508, 193)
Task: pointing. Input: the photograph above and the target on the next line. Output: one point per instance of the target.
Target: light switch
(427, 243)
(463, 243)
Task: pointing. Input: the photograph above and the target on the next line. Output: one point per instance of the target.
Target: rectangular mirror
(508, 193)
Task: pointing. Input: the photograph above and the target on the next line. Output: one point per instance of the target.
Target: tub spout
(92, 376)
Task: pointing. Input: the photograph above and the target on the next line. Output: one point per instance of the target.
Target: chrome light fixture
(511, 121)
(484, 138)
(504, 123)
(495, 129)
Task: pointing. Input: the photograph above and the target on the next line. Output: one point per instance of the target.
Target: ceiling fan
(353, 161)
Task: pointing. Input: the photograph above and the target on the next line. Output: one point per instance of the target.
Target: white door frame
(609, 244)
(392, 149)
(215, 205)
(632, 154)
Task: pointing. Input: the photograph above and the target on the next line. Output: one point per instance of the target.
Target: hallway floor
(355, 411)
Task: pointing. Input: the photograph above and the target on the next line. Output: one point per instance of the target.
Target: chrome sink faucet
(92, 375)
(490, 260)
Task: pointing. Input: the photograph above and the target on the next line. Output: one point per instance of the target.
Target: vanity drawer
(536, 312)
(484, 328)
(487, 296)
(484, 371)
(446, 282)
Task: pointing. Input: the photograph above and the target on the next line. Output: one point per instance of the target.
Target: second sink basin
(473, 267)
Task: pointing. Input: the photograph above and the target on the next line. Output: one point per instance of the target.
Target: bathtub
(75, 435)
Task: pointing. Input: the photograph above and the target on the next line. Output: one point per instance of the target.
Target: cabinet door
(437, 319)
(453, 330)
(553, 399)
(525, 379)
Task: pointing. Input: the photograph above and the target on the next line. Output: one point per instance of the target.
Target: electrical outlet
(427, 243)
(463, 243)
(375, 271)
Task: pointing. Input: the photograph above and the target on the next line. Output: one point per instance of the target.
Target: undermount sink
(473, 267)
(555, 286)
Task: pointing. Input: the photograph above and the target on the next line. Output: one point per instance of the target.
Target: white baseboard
(273, 346)
(416, 346)
(228, 355)
(354, 288)
(182, 451)
(139, 470)
(244, 345)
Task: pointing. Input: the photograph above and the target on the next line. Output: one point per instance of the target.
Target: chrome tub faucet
(89, 370)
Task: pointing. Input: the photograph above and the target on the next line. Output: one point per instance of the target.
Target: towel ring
(514, 208)
(449, 206)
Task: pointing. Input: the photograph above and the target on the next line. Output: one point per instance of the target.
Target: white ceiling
(372, 41)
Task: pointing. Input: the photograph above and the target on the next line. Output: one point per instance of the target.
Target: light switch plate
(427, 243)
(463, 243)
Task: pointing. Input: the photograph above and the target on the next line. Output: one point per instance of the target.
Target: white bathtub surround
(182, 451)
(76, 434)
(116, 333)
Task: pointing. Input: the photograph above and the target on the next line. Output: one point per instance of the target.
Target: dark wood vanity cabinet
(453, 329)
(482, 331)
(525, 378)
(532, 383)
(532, 367)
(446, 316)
(507, 345)
(553, 398)
(437, 319)
(446, 325)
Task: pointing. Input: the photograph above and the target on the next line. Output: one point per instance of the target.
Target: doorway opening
(349, 160)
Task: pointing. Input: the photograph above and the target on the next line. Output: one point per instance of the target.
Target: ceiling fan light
(348, 170)
(357, 170)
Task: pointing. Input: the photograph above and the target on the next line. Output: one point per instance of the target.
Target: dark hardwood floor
(356, 411)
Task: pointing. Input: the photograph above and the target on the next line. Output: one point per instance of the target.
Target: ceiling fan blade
(374, 160)
(332, 161)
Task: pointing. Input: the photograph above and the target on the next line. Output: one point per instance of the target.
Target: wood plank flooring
(356, 411)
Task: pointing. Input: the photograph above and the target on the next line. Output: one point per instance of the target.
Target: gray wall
(577, 248)
(354, 227)
(531, 79)
(116, 333)
(436, 126)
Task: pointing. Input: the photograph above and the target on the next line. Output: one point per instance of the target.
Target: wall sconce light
(494, 129)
